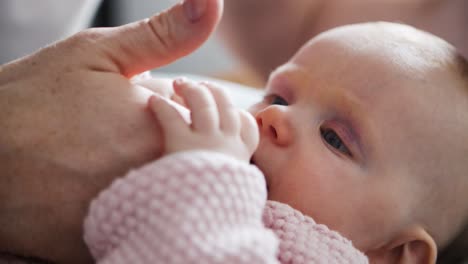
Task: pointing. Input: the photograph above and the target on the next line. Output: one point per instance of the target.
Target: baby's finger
(176, 98)
(249, 131)
(200, 102)
(229, 121)
(142, 76)
(161, 86)
(169, 118)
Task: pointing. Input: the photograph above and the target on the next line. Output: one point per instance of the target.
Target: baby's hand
(161, 86)
(216, 125)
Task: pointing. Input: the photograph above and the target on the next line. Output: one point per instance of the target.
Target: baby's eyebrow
(355, 114)
(344, 105)
(289, 74)
(352, 101)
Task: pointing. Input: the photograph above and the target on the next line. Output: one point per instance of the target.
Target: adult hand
(71, 121)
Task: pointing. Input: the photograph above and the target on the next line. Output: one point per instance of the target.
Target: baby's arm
(191, 206)
(304, 241)
(188, 207)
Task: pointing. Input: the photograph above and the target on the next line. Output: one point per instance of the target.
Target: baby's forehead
(398, 73)
(378, 55)
(409, 81)
(392, 43)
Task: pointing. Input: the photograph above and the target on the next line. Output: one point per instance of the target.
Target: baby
(364, 130)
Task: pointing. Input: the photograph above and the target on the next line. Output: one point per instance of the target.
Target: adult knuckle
(162, 28)
(86, 37)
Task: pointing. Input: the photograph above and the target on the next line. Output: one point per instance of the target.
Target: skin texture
(264, 40)
(379, 88)
(215, 124)
(395, 184)
(72, 122)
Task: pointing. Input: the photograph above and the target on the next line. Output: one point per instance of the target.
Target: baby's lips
(252, 161)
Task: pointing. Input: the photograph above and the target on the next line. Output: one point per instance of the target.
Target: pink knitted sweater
(204, 207)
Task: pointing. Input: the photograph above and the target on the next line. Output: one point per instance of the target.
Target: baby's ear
(413, 245)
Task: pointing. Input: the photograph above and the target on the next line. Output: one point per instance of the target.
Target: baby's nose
(274, 125)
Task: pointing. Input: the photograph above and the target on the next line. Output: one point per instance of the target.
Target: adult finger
(152, 42)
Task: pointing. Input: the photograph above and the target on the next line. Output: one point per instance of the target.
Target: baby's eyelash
(275, 99)
(333, 140)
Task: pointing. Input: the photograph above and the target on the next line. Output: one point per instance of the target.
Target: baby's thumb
(156, 41)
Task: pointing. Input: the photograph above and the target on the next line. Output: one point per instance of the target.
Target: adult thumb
(153, 42)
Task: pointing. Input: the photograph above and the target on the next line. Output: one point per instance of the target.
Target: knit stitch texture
(204, 207)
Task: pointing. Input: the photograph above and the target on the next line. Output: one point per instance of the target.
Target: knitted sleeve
(304, 241)
(191, 207)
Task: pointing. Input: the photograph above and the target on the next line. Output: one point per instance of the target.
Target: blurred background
(26, 26)
(259, 34)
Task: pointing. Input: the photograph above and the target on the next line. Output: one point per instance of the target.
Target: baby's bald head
(427, 78)
(441, 167)
(456, 248)
(403, 94)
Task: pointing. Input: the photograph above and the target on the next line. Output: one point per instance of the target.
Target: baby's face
(345, 127)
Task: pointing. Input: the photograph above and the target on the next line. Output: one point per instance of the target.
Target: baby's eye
(277, 100)
(334, 140)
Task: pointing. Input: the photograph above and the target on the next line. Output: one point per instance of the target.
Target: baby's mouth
(252, 161)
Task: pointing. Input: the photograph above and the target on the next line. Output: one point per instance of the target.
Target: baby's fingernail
(145, 75)
(180, 80)
(151, 99)
(194, 9)
(141, 77)
(208, 84)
